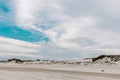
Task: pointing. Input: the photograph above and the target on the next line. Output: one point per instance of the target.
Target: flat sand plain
(25, 72)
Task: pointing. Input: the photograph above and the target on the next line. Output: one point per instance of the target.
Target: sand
(51, 72)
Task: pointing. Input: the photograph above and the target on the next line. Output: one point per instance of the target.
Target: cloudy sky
(59, 29)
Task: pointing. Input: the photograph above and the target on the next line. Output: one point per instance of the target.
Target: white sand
(57, 72)
(113, 69)
(16, 75)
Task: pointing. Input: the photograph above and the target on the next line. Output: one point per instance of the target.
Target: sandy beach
(26, 72)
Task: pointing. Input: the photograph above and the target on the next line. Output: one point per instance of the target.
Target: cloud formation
(15, 48)
(74, 28)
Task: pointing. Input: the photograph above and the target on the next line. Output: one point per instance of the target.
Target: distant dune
(104, 67)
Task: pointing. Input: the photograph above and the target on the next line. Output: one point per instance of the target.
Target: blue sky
(59, 29)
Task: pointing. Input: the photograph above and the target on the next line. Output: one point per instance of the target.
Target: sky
(59, 29)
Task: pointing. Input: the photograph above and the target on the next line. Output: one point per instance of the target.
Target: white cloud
(12, 47)
(29, 12)
(79, 25)
(70, 29)
(109, 7)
